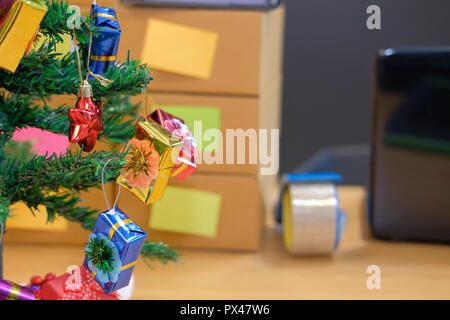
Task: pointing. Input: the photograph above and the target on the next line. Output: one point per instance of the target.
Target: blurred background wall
(328, 66)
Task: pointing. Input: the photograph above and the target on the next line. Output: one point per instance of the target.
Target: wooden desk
(408, 270)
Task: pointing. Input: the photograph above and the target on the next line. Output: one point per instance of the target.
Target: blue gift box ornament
(104, 46)
(113, 249)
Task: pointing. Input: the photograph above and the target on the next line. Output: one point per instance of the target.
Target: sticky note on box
(210, 117)
(179, 48)
(44, 142)
(23, 219)
(186, 210)
(63, 47)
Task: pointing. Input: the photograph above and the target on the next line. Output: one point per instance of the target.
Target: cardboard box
(85, 5)
(245, 113)
(248, 54)
(240, 220)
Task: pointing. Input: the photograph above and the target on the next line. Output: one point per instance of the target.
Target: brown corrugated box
(240, 220)
(236, 113)
(85, 5)
(245, 85)
(248, 55)
(249, 50)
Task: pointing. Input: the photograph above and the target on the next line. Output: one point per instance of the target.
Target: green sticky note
(210, 118)
(186, 210)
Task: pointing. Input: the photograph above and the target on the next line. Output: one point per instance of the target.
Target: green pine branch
(119, 116)
(54, 23)
(39, 181)
(70, 171)
(44, 73)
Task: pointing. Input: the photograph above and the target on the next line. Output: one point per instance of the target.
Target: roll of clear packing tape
(310, 214)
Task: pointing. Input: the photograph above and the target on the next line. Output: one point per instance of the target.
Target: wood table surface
(408, 270)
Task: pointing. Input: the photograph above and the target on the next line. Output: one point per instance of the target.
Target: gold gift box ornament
(19, 22)
(150, 160)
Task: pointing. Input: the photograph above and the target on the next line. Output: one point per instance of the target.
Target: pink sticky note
(43, 141)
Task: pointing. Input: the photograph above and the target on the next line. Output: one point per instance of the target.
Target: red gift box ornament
(185, 164)
(75, 285)
(85, 119)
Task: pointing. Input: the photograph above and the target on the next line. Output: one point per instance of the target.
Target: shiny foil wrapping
(85, 119)
(128, 238)
(19, 23)
(167, 146)
(5, 9)
(11, 291)
(185, 164)
(106, 42)
(75, 285)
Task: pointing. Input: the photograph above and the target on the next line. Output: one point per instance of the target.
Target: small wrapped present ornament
(113, 249)
(75, 285)
(104, 46)
(185, 164)
(19, 21)
(11, 291)
(150, 161)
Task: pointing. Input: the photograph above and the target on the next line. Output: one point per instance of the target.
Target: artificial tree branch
(45, 177)
(44, 73)
(70, 171)
(119, 116)
(54, 23)
(67, 206)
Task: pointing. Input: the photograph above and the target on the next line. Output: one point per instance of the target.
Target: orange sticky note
(179, 48)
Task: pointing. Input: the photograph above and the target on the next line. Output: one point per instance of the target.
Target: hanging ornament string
(78, 55)
(103, 81)
(1, 233)
(144, 101)
(103, 185)
(147, 100)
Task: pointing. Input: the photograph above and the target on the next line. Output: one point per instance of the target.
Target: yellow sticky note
(63, 47)
(179, 48)
(22, 218)
(187, 210)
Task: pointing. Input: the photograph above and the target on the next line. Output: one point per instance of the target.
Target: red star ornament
(85, 119)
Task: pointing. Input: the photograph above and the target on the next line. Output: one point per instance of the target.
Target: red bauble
(36, 280)
(85, 119)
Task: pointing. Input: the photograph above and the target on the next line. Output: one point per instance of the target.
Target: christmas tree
(55, 181)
